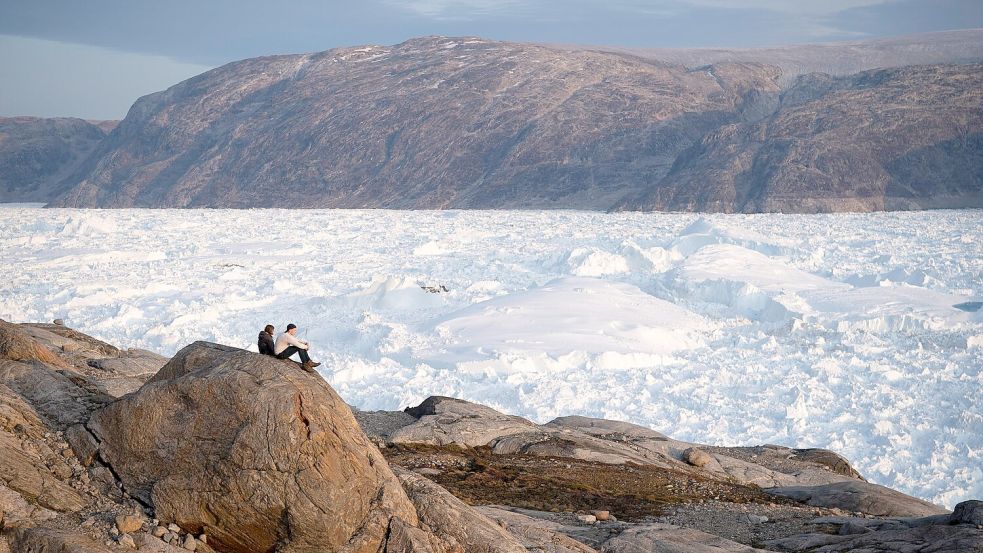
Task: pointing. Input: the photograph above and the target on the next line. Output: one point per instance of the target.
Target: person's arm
(295, 342)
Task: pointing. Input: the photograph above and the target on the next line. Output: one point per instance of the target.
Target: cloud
(450, 10)
(794, 7)
(474, 9)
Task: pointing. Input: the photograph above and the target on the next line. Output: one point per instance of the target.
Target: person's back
(265, 341)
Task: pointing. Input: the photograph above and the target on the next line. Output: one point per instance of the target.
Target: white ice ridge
(570, 315)
(857, 332)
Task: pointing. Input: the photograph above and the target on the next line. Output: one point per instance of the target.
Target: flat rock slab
(935, 538)
(859, 496)
(666, 537)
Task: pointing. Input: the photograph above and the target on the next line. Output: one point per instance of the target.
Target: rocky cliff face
(36, 154)
(469, 123)
(430, 123)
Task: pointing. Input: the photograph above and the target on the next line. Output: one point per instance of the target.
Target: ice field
(856, 332)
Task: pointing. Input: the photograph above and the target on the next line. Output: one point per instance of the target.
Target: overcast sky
(93, 58)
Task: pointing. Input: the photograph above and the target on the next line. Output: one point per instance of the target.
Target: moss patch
(630, 492)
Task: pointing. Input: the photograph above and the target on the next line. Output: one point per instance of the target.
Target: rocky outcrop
(810, 476)
(469, 123)
(861, 497)
(453, 520)
(259, 456)
(226, 450)
(943, 534)
(44, 489)
(36, 154)
(445, 421)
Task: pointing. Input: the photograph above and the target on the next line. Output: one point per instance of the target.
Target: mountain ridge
(438, 122)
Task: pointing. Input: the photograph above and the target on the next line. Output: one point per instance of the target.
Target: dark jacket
(265, 343)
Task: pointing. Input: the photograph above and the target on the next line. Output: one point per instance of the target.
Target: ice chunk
(572, 314)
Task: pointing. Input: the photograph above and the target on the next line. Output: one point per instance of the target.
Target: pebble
(126, 541)
(174, 528)
(587, 519)
(159, 532)
(601, 515)
(189, 543)
(203, 538)
(167, 537)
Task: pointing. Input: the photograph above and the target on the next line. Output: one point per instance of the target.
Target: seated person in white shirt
(287, 344)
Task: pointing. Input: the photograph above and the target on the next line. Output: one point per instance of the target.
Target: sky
(93, 59)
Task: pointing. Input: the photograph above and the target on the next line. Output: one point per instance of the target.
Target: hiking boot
(309, 366)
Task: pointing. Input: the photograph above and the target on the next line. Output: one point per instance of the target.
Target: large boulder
(253, 452)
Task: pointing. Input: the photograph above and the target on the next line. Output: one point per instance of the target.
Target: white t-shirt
(286, 340)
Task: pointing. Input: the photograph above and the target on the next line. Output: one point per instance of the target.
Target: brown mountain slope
(469, 123)
(431, 123)
(36, 154)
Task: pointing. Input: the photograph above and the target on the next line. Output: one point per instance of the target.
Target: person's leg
(285, 354)
(304, 358)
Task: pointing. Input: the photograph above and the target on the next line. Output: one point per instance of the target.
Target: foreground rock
(715, 499)
(259, 456)
(227, 450)
(447, 421)
(939, 534)
(49, 500)
(453, 520)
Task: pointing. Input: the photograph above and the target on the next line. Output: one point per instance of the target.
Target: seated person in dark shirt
(265, 341)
